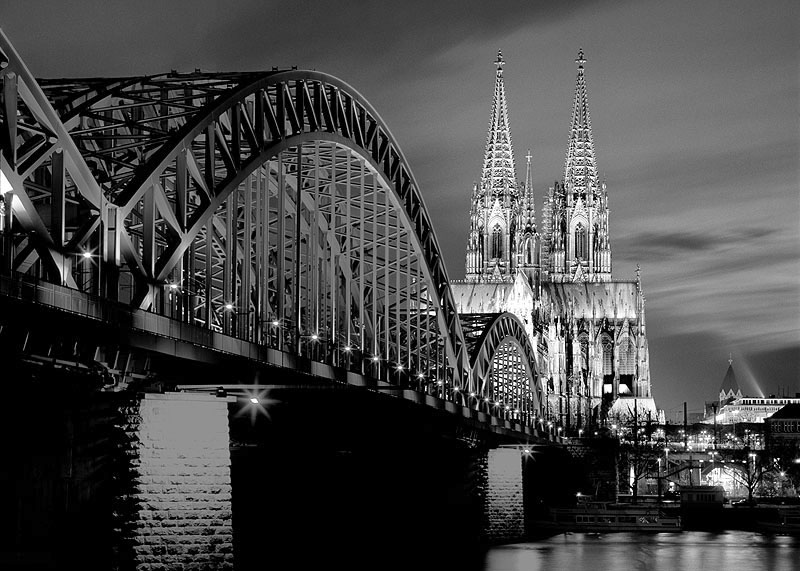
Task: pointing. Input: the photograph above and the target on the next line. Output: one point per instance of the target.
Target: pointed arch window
(581, 242)
(608, 356)
(497, 242)
(627, 357)
(583, 341)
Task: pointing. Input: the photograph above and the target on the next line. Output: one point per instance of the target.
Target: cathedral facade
(589, 329)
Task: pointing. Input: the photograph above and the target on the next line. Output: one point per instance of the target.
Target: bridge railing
(31, 290)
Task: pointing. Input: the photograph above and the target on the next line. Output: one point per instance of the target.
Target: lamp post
(658, 480)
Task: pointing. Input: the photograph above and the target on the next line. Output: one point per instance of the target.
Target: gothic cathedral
(589, 330)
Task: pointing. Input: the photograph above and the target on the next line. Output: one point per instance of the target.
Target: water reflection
(651, 552)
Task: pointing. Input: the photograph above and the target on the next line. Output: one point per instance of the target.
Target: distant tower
(494, 215)
(576, 245)
(730, 387)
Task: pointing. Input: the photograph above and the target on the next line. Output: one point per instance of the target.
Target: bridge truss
(275, 207)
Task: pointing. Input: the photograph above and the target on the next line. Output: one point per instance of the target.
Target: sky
(694, 108)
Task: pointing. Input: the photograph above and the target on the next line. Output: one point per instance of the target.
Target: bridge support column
(177, 510)
(504, 513)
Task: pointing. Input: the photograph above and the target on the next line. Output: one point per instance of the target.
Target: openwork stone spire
(493, 245)
(580, 169)
(499, 173)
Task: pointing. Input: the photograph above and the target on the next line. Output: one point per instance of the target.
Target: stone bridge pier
(174, 502)
(189, 480)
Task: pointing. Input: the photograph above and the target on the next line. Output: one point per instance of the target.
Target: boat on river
(606, 517)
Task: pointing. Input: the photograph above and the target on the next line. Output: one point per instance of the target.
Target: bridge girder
(136, 172)
(503, 364)
(281, 196)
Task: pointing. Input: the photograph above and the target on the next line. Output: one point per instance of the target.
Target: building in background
(783, 427)
(589, 329)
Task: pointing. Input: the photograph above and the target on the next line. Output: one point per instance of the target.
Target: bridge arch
(503, 363)
(174, 168)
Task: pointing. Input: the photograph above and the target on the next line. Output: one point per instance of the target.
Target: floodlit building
(589, 329)
(784, 425)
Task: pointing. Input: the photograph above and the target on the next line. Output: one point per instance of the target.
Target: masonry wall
(175, 509)
(503, 497)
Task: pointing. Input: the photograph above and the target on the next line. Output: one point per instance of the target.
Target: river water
(694, 550)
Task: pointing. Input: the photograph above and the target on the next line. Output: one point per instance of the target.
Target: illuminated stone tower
(576, 246)
(492, 250)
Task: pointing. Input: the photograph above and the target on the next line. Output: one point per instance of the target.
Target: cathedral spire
(499, 173)
(494, 240)
(580, 169)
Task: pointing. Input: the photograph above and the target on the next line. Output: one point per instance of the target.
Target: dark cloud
(656, 246)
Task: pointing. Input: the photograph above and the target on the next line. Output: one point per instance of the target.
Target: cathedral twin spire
(499, 173)
(580, 166)
(503, 236)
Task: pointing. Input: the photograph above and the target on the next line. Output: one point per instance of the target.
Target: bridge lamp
(455, 389)
(254, 400)
(275, 322)
(347, 348)
(472, 393)
(527, 450)
(86, 255)
(783, 474)
(173, 286)
(420, 376)
(486, 399)
(229, 306)
(399, 367)
(376, 358)
(314, 337)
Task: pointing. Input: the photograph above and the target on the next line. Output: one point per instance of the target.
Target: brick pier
(177, 512)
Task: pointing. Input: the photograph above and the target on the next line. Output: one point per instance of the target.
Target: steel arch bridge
(274, 207)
